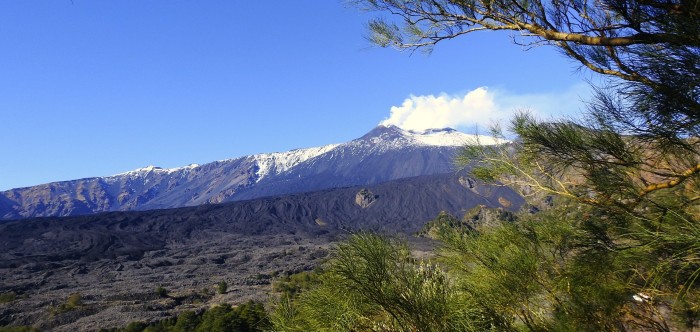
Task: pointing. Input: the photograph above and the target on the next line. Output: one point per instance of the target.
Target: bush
(187, 321)
(291, 285)
(161, 291)
(17, 329)
(373, 284)
(74, 301)
(247, 317)
(7, 297)
(222, 287)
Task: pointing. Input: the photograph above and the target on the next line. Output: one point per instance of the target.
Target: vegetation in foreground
(544, 272)
(247, 317)
(618, 250)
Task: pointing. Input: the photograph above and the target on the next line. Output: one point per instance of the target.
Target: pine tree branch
(670, 184)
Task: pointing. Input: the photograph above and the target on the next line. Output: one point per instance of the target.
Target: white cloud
(482, 107)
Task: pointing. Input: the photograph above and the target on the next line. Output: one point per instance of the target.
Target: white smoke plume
(480, 107)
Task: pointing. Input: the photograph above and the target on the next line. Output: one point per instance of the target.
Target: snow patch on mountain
(279, 162)
(450, 137)
(390, 137)
(385, 153)
(143, 171)
(381, 139)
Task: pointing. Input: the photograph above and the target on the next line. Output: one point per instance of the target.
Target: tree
(222, 287)
(629, 169)
(596, 33)
(186, 321)
(74, 300)
(161, 291)
(650, 44)
(373, 284)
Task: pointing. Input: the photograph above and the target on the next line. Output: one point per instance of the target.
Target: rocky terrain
(118, 290)
(385, 153)
(116, 260)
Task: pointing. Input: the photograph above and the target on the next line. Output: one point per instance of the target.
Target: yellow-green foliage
(444, 220)
(618, 248)
(373, 284)
(569, 268)
(291, 285)
(17, 329)
(73, 302)
(534, 275)
(7, 297)
(247, 317)
(222, 287)
(161, 291)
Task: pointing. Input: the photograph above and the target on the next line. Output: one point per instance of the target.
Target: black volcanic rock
(385, 153)
(404, 205)
(116, 260)
(364, 198)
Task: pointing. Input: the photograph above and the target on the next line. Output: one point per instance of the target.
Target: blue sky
(94, 88)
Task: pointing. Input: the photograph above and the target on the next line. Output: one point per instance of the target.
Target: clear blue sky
(94, 88)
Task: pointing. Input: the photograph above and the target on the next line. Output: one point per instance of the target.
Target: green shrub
(73, 302)
(222, 287)
(161, 291)
(18, 329)
(186, 322)
(247, 317)
(7, 297)
(293, 284)
(374, 284)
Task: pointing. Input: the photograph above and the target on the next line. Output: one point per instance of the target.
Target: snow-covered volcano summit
(389, 136)
(385, 153)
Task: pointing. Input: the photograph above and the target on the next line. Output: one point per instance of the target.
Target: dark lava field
(116, 260)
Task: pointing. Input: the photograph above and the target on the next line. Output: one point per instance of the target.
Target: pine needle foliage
(618, 250)
(373, 284)
(539, 274)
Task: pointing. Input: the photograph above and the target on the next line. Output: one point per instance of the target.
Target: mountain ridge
(397, 206)
(385, 153)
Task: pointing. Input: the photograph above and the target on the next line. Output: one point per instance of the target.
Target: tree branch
(670, 184)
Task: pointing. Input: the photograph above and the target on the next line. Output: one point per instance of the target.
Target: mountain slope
(385, 153)
(402, 205)
(116, 259)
